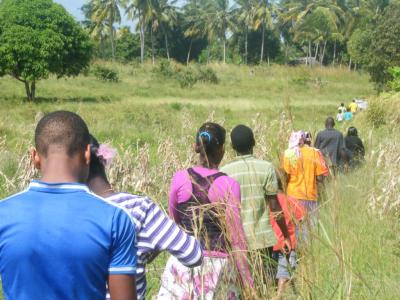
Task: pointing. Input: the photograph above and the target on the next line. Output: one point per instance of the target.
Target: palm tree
(218, 18)
(262, 18)
(167, 19)
(106, 11)
(193, 23)
(136, 9)
(245, 16)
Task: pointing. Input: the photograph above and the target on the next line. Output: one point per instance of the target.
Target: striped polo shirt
(156, 232)
(59, 241)
(257, 179)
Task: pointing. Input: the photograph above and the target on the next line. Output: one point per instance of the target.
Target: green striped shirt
(257, 179)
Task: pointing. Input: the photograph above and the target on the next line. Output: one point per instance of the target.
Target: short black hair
(63, 129)
(209, 138)
(352, 131)
(330, 122)
(242, 139)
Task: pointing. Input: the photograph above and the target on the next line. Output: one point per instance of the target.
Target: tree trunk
(166, 44)
(321, 59)
(350, 64)
(268, 59)
(334, 53)
(190, 50)
(112, 41)
(141, 35)
(309, 54)
(152, 46)
(224, 50)
(316, 51)
(245, 45)
(30, 90)
(208, 54)
(262, 43)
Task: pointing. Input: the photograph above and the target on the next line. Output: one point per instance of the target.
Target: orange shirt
(294, 213)
(302, 181)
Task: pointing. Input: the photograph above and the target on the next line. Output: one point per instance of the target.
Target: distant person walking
(355, 146)
(259, 188)
(340, 116)
(348, 116)
(342, 108)
(353, 106)
(331, 143)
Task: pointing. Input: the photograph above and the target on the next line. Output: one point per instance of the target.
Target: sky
(74, 8)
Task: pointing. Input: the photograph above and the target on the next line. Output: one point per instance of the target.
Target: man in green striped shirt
(258, 189)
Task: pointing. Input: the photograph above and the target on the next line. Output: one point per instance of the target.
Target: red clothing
(293, 213)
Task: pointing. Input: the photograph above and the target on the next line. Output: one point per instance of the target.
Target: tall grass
(355, 249)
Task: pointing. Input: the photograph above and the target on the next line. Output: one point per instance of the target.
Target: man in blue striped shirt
(58, 240)
(155, 231)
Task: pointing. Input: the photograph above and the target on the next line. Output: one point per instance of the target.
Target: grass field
(152, 121)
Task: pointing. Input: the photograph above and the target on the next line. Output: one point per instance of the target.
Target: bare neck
(100, 186)
(61, 168)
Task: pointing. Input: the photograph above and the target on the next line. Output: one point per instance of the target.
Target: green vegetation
(39, 38)
(152, 121)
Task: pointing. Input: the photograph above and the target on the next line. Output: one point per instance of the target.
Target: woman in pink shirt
(205, 202)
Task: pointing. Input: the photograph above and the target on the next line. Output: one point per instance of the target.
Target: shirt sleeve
(123, 249)
(173, 199)
(271, 182)
(164, 234)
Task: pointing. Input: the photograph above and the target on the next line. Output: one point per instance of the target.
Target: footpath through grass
(152, 121)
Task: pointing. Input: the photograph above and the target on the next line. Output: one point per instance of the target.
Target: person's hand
(287, 246)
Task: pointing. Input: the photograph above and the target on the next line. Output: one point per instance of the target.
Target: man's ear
(36, 160)
(87, 155)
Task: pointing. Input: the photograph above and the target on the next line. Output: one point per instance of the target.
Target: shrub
(394, 84)
(207, 75)
(376, 115)
(105, 74)
(166, 69)
(186, 78)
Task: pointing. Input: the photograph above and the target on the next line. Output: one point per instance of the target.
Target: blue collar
(62, 187)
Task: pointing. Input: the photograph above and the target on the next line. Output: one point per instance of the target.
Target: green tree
(377, 45)
(39, 38)
(106, 11)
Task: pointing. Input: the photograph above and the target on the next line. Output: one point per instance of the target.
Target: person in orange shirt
(304, 166)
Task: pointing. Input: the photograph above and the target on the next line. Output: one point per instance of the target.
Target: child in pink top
(199, 196)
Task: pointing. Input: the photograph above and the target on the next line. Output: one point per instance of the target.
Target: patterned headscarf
(295, 141)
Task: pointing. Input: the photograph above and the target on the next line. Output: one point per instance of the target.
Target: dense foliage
(39, 38)
(251, 31)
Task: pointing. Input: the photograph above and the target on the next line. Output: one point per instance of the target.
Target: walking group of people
(70, 235)
(347, 113)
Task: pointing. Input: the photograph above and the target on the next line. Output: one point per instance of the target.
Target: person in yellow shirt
(304, 166)
(353, 106)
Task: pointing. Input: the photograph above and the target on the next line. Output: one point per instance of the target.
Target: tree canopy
(39, 38)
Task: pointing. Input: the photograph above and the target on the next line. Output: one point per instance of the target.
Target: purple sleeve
(180, 191)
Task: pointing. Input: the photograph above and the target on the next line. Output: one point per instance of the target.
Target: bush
(166, 69)
(187, 78)
(394, 84)
(105, 74)
(376, 115)
(207, 75)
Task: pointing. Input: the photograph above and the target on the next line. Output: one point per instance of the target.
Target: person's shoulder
(15, 197)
